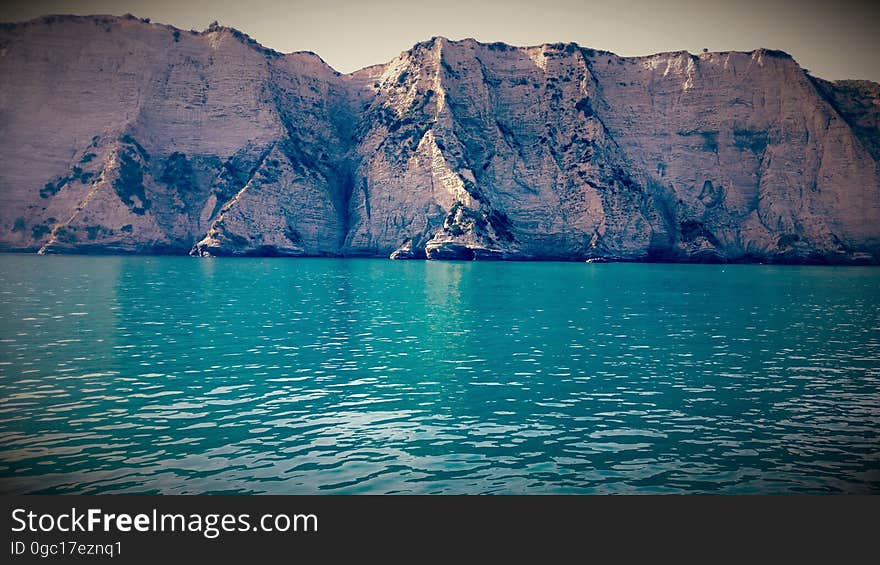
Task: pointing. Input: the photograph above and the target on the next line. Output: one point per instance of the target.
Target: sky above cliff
(834, 40)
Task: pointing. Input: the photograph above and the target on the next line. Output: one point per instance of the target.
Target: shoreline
(806, 262)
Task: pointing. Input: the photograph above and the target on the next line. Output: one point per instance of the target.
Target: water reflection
(174, 375)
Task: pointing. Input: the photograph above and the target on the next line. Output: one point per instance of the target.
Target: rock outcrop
(117, 135)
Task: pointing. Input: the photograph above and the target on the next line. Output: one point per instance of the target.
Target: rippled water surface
(181, 375)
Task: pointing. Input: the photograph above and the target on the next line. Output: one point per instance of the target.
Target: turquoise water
(182, 375)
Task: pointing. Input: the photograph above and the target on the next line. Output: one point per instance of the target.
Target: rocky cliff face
(121, 136)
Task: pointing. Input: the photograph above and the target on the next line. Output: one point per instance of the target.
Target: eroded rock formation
(117, 135)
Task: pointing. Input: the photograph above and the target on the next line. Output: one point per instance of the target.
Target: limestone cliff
(117, 135)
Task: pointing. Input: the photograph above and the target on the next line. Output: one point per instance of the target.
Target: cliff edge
(118, 135)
